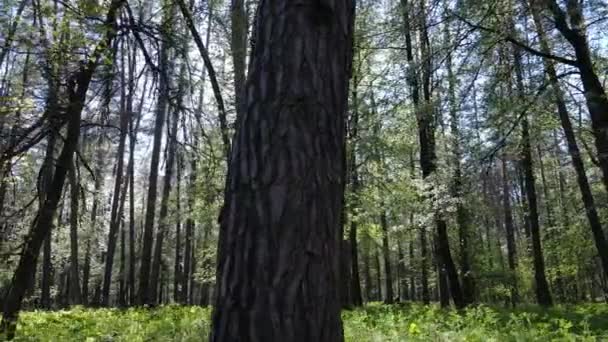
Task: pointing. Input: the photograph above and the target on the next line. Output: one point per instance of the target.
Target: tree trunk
(388, 299)
(543, 296)
(117, 200)
(74, 294)
(402, 286)
(143, 296)
(278, 261)
(462, 216)
(367, 276)
(355, 286)
(413, 293)
(46, 179)
(510, 233)
(177, 271)
(238, 45)
(164, 207)
(428, 157)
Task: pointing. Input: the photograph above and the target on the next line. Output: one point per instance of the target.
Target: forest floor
(375, 322)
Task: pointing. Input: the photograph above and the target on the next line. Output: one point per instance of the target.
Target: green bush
(375, 322)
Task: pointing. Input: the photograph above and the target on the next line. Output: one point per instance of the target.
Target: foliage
(134, 324)
(415, 322)
(375, 322)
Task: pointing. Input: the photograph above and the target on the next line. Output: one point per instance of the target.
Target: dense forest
(286, 162)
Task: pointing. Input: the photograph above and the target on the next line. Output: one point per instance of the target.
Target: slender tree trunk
(543, 296)
(413, 293)
(145, 284)
(462, 216)
(47, 177)
(164, 207)
(117, 199)
(510, 233)
(177, 271)
(238, 45)
(355, 286)
(377, 264)
(280, 228)
(402, 274)
(74, 295)
(388, 299)
(428, 158)
(367, 276)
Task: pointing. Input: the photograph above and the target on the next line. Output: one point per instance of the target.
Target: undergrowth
(375, 322)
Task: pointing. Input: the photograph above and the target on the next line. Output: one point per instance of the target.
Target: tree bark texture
(278, 262)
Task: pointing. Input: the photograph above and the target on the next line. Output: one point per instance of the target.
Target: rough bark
(278, 262)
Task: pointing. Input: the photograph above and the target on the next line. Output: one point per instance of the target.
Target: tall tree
(74, 294)
(280, 225)
(543, 295)
(572, 144)
(143, 296)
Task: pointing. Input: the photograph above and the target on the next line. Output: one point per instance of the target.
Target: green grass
(375, 322)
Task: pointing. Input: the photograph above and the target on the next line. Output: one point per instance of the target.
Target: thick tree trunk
(278, 261)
